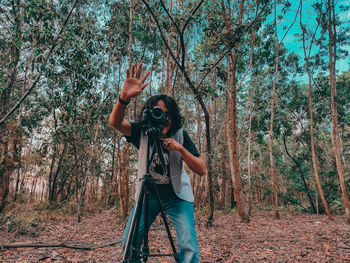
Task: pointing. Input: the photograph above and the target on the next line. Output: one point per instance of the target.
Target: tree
(273, 92)
(312, 138)
(233, 140)
(332, 48)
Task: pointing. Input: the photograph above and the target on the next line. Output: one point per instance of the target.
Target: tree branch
(161, 32)
(180, 32)
(231, 46)
(62, 245)
(171, 18)
(192, 14)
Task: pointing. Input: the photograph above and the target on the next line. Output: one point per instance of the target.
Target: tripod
(147, 184)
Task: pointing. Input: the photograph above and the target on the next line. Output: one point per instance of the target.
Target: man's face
(165, 130)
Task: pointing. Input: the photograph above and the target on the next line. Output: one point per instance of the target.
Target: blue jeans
(181, 214)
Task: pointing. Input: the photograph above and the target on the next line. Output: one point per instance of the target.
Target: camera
(154, 120)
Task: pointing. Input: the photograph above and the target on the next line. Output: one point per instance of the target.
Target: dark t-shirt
(158, 171)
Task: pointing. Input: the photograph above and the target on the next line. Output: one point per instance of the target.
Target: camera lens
(158, 114)
(154, 120)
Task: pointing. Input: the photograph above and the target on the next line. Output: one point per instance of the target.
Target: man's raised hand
(134, 83)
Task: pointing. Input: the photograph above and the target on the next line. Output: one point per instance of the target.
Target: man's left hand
(170, 144)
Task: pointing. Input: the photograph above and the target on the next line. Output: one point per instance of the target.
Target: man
(172, 181)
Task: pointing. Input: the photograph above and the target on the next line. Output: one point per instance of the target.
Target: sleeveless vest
(178, 176)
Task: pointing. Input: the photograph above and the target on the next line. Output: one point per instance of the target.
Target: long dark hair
(173, 110)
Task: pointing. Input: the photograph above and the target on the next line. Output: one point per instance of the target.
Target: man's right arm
(117, 121)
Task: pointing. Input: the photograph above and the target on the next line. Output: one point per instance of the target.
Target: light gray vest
(179, 178)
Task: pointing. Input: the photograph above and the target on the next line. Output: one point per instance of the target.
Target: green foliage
(289, 199)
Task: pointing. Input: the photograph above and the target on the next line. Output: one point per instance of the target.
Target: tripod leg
(130, 249)
(145, 248)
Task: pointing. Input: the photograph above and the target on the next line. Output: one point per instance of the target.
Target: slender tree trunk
(210, 173)
(227, 123)
(17, 185)
(42, 191)
(273, 173)
(19, 120)
(271, 137)
(53, 177)
(53, 159)
(124, 193)
(224, 175)
(249, 151)
(312, 138)
(119, 169)
(197, 179)
(131, 21)
(227, 193)
(32, 190)
(164, 73)
(168, 81)
(250, 110)
(334, 111)
(125, 180)
(110, 191)
(271, 132)
(4, 190)
(236, 178)
(241, 199)
(87, 172)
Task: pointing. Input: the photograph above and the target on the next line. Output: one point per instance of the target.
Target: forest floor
(295, 237)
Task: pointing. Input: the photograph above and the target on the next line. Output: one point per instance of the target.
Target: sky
(308, 17)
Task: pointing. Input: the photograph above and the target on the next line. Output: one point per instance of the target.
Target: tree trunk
(312, 139)
(17, 185)
(53, 177)
(271, 132)
(334, 111)
(19, 131)
(168, 81)
(273, 176)
(53, 160)
(209, 174)
(110, 189)
(125, 180)
(241, 199)
(4, 190)
(271, 135)
(124, 191)
(249, 150)
(197, 179)
(236, 177)
(224, 175)
(250, 110)
(86, 173)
